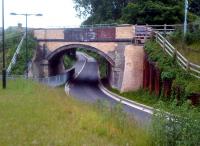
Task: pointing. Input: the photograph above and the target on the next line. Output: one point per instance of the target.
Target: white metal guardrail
(192, 68)
(14, 59)
(52, 81)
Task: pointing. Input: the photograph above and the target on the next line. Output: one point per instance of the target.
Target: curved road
(85, 87)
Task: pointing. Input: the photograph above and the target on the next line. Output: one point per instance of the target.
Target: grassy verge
(190, 45)
(33, 114)
(141, 96)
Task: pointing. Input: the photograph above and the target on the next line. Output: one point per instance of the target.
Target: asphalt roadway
(85, 87)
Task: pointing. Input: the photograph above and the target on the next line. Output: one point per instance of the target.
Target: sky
(56, 13)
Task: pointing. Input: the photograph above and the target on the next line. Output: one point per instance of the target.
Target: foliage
(134, 11)
(170, 70)
(192, 35)
(193, 87)
(34, 114)
(13, 38)
(190, 45)
(68, 61)
(20, 65)
(195, 7)
(100, 11)
(168, 75)
(180, 127)
(153, 12)
(162, 60)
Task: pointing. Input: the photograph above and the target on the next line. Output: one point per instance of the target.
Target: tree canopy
(135, 11)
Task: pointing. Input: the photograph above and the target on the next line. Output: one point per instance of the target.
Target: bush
(183, 81)
(179, 128)
(192, 35)
(168, 75)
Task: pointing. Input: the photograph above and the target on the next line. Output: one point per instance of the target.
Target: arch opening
(56, 63)
(65, 48)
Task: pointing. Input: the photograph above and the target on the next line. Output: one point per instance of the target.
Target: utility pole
(3, 48)
(26, 64)
(26, 16)
(185, 20)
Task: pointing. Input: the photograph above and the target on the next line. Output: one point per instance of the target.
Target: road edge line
(67, 84)
(125, 101)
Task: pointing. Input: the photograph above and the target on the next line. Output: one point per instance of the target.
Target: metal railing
(192, 68)
(52, 81)
(14, 59)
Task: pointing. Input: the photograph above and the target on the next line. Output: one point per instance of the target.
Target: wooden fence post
(164, 44)
(156, 37)
(175, 54)
(188, 66)
(165, 29)
(146, 33)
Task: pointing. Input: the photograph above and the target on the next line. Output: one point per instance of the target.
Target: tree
(195, 7)
(152, 12)
(135, 11)
(100, 11)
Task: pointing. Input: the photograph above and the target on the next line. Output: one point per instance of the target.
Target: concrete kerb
(67, 85)
(121, 99)
(125, 101)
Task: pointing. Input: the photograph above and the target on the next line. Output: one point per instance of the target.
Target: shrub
(183, 81)
(168, 75)
(180, 127)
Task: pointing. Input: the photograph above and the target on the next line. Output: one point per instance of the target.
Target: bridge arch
(64, 48)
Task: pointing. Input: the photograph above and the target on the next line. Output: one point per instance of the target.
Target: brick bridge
(117, 44)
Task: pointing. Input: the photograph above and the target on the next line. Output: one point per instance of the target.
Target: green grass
(36, 115)
(191, 52)
(140, 96)
(188, 46)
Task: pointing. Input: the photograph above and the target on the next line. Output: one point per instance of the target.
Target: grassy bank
(140, 96)
(33, 114)
(172, 71)
(12, 40)
(189, 45)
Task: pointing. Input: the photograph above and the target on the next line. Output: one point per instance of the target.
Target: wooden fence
(192, 68)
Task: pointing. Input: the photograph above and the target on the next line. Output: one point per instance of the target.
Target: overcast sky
(56, 13)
